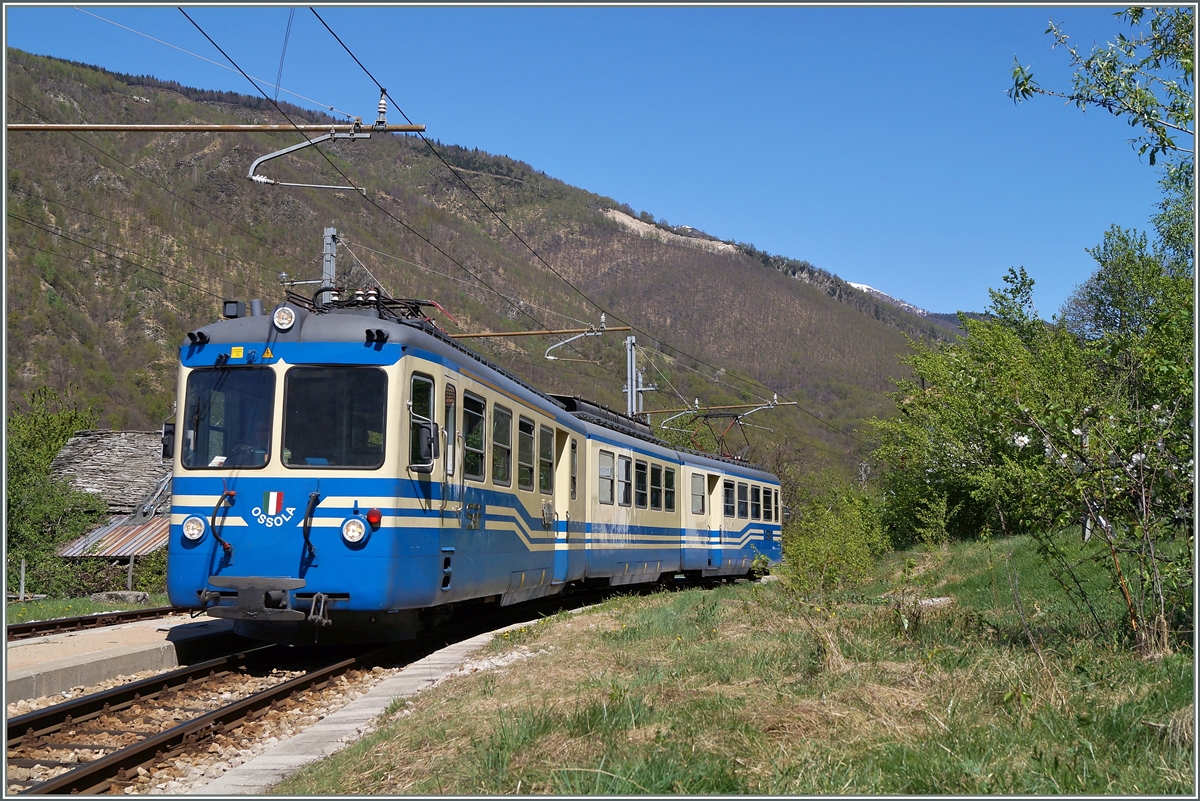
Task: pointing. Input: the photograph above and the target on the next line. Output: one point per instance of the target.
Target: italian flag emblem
(273, 503)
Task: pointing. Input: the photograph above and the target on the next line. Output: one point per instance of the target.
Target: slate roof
(123, 467)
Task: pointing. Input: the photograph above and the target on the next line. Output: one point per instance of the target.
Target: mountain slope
(119, 243)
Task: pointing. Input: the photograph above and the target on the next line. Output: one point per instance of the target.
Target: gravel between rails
(223, 751)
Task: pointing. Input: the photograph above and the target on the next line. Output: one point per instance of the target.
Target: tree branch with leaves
(1146, 78)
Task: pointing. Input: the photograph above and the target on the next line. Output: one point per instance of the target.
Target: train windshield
(227, 417)
(334, 417)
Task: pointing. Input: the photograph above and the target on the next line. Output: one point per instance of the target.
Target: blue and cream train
(347, 468)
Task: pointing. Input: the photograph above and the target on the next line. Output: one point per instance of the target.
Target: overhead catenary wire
(59, 233)
(287, 34)
(347, 178)
(157, 235)
(426, 268)
(477, 278)
(518, 237)
(218, 64)
(359, 261)
(169, 191)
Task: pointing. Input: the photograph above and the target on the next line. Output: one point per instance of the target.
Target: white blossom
(1020, 440)
(1137, 458)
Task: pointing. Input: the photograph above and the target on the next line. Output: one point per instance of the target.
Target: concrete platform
(343, 727)
(48, 665)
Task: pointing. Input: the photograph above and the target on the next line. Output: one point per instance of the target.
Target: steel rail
(40, 628)
(48, 720)
(96, 777)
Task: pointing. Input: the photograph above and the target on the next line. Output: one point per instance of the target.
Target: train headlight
(284, 318)
(353, 530)
(193, 528)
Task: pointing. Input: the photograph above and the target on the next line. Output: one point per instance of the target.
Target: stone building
(126, 469)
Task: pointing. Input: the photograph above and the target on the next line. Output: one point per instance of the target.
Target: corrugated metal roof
(121, 538)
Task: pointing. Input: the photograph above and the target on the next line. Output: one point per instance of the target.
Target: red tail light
(374, 517)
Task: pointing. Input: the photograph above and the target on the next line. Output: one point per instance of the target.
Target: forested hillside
(119, 243)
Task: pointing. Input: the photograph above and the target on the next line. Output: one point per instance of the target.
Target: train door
(717, 503)
(694, 547)
(451, 492)
(568, 509)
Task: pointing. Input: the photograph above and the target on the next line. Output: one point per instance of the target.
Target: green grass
(51, 608)
(747, 689)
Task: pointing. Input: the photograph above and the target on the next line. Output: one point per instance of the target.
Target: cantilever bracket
(262, 179)
(590, 333)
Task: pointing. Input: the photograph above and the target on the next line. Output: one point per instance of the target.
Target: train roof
(348, 324)
(356, 321)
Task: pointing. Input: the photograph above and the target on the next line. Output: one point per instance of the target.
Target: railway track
(40, 628)
(98, 743)
(112, 740)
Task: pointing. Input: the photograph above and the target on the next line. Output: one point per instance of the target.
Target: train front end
(291, 515)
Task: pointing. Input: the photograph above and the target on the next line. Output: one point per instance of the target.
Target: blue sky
(874, 142)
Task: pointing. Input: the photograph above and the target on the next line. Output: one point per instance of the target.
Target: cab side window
(698, 494)
(420, 407)
(728, 498)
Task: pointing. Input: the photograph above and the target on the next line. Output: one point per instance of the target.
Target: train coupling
(257, 598)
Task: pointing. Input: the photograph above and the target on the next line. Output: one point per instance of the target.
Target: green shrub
(833, 542)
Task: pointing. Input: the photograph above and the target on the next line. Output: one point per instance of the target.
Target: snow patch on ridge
(905, 305)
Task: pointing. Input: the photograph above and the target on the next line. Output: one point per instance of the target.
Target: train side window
(451, 427)
(728, 499)
(768, 514)
(606, 477)
(524, 453)
(574, 467)
(656, 486)
(742, 506)
(474, 417)
(698, 493)
(639, 484)
(778, 508)
(421, 452)
(501, 446)
(624, 480)
(755, 503)
(545, 460)
(669, 489)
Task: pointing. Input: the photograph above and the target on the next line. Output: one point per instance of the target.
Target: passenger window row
(750, 502)
(535, 443)
(635, 482)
